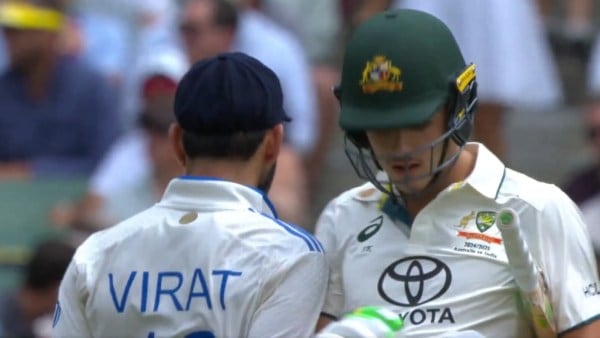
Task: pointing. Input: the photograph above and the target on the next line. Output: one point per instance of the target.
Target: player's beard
(264, 182)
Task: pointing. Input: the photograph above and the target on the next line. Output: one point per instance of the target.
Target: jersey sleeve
(293, 299)
(325, 232)
(568, 261)
(69, 314)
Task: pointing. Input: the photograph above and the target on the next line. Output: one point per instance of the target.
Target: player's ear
(176, 140)
(272, 143)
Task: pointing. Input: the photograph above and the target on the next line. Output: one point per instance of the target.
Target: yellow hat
(21, 15)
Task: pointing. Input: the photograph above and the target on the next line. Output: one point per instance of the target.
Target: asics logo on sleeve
(371, 229)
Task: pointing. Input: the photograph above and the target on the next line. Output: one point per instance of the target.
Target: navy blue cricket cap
(229, 93)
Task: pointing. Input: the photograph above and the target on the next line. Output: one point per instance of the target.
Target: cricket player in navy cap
(211, 259)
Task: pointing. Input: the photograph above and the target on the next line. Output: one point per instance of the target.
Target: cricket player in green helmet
(405, 91)
(420, 237)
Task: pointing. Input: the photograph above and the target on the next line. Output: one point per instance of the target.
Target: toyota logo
(413, 281)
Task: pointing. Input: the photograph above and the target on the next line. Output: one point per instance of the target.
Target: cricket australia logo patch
(477, 236)
(380, 75)
(485, 220)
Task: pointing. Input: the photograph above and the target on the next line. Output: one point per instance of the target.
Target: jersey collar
(486, 178)
(212, 194)
(488, 173)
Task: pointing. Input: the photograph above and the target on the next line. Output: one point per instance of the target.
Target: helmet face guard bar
(461, 107)
(367, 165)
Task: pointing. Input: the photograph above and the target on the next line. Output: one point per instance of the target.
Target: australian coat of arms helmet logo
(380, 75)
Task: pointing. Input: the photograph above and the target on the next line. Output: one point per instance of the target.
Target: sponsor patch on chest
(476, 234)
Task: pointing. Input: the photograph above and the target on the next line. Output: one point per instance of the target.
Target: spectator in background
(100, 41)
(593, 70)
(130, 151)
(357, 11)
(209, 27)
(142, 152)
(505, 39)
(318, 24)
(144, 190)
(586, 184)
(98, 38)
(571, 23)
(3, 56)
(23, 313)
(147, 21)
(58, 116)
(584, 187)
(143, 27)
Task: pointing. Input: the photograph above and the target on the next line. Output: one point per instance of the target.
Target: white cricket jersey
(447, 269)
(211, 259)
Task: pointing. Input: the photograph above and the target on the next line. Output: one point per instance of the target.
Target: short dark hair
(226, 14)
(237, 146)
(48, 264)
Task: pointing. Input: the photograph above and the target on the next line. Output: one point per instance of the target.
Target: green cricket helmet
(400, 68)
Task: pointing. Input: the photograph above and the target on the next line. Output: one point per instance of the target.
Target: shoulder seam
(312, 243)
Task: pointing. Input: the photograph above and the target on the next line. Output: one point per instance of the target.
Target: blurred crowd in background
(86, 91)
